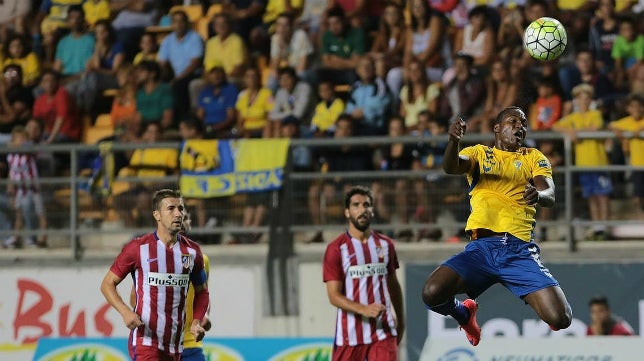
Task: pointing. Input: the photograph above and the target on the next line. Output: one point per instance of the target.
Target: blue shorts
(193, 354)
(595, 184)
(507, 260)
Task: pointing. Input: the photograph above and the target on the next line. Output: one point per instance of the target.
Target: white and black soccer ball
(545, 39)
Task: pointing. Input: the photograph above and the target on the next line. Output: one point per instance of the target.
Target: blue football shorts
(595, 184)
(503, 259)
(193, 354)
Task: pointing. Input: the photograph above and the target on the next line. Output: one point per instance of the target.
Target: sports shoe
(471, 328)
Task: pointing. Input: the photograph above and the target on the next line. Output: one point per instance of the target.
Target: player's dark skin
(550, 303)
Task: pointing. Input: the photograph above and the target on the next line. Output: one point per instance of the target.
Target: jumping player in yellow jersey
(506, 182)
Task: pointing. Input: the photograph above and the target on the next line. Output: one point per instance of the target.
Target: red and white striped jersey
(23, 172)
(161, 277)
(363, 270)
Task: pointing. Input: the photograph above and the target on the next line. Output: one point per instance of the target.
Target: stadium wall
(62, 299)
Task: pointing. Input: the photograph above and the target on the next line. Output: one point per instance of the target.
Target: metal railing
(73, 153)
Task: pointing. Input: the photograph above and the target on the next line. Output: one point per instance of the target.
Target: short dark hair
(599, 300)
(288, 70)
(151, 66)
(14, 66)
(335, 11)
(359, 189)
(162, 194)
(52, 72)
(76, 8)
(507, 110)
(193, 123)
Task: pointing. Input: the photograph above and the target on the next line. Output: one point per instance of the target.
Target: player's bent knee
(433, 294)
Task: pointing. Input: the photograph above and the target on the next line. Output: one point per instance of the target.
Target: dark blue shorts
(514, 263)
(595, 184)
(193, 354)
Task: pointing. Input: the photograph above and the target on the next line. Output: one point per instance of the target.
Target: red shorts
(146, 353)
(385, 350)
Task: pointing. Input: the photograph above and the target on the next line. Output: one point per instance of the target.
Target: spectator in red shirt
(56, 108)
(603, 322)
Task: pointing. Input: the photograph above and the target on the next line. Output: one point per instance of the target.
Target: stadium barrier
(76, 212)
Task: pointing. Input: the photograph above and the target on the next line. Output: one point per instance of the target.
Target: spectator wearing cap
(182, 51)
(216, 104)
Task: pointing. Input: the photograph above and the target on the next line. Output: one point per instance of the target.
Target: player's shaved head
(507, 110)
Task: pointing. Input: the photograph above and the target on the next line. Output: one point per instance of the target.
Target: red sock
(553, 328)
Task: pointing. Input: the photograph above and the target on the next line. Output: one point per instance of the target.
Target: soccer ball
(545, 39)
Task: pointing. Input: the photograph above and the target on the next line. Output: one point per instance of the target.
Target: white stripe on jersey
(146, 312)
(161, 294)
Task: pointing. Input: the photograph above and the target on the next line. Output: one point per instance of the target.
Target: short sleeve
(198, 276)
(332, 266)
(125, 262)
(393, 259)
(541, 165)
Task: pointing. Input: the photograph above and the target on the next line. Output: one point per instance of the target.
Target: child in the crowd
(627, 51)
(24, 188)
(149, 48)
(547, 109)
(123, 110)
(634, 123)
(326, 111)
(596, 186)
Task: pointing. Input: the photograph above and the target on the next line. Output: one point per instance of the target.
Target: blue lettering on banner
(259, 181)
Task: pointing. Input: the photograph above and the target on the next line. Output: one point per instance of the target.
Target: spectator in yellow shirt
(327, 110)
(596, 186)
(253, 106)
(634, 146)
(227, 50)
(17, 52)
(149, 49)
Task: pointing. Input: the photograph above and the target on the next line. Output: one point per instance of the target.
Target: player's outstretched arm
(452, 162)
(108, 288)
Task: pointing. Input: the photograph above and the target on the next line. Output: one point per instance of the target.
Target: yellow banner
(211, 168)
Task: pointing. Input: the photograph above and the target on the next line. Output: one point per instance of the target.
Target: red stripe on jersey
(353, 260)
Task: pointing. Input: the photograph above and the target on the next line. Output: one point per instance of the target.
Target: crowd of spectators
(320, 68)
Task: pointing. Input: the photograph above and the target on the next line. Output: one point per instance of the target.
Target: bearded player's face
(360, 212)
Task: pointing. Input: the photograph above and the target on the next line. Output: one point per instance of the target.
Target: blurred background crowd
(145, 71)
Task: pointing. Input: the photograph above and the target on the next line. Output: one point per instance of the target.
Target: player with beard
(507, 181)
(360, 275)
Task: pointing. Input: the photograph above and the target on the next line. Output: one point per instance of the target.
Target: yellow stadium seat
(202, 24)
(104, 120)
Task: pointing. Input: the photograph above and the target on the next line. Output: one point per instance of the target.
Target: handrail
(568, 169)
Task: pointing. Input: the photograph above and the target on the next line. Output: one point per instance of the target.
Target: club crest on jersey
(380, 253)
(517, 164)
(186, 261)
